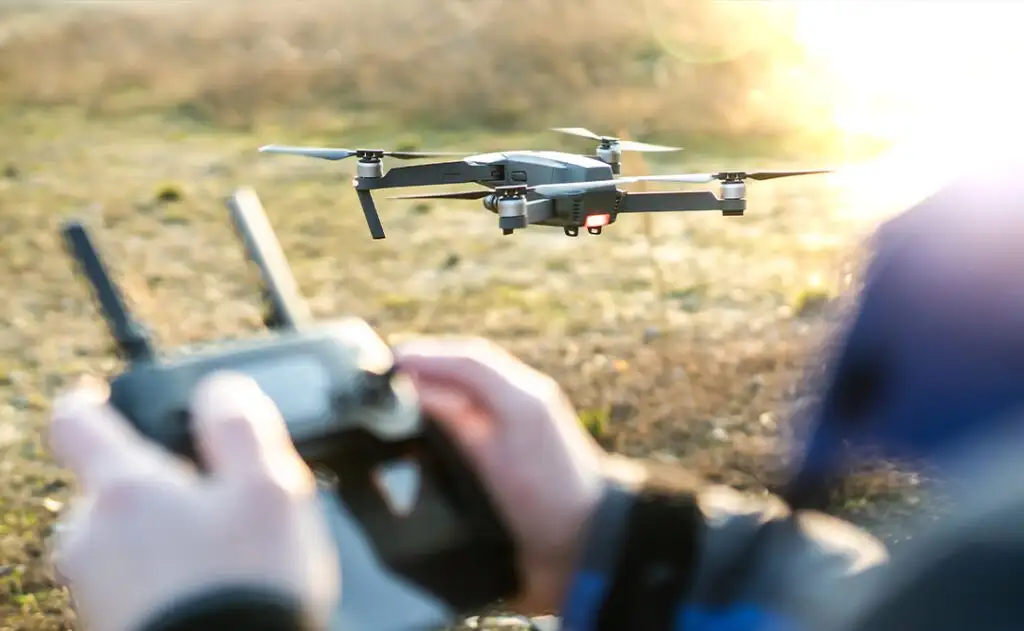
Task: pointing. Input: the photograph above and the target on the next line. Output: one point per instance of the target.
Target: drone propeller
(689, 178)
(737, 176)
(327, 153)
(608, 141)
(766, 175)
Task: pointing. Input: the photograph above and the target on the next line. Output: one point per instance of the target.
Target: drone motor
(369, 163)
(610, 151)
(733, 194)
(369, 168)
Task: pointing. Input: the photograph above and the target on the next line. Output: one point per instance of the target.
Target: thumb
(241, 432)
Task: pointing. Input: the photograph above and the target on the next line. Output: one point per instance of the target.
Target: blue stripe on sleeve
(733, 618)
(586, 593)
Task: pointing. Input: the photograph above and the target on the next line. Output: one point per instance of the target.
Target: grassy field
(683, 337)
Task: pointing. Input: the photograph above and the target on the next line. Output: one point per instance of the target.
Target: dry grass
(682, 337)
(492, 64)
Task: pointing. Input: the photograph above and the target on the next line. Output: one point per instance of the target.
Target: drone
(544, 188)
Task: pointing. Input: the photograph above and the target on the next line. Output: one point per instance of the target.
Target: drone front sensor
(542, 188)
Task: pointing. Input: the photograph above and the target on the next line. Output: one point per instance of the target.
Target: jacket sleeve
(235, 608)
(667, 552)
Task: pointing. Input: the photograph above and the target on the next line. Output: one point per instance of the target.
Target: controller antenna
(132, 339)
(288, 309)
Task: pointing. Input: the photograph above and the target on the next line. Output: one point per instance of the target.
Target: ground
(684, 337)
(690, 345)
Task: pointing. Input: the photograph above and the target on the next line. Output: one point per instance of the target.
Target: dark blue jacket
(932, 357)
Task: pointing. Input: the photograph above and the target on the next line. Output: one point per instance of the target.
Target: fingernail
(88, 391)
(91, 382)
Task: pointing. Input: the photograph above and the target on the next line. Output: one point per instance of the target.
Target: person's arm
(235, 608)
(665, 551)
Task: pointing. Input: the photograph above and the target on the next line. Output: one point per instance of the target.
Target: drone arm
(437, 173)
(669, 201)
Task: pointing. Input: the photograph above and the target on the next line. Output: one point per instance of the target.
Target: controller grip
(452, 542)
(482, 569)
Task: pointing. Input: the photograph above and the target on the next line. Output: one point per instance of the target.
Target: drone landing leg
(370, 212)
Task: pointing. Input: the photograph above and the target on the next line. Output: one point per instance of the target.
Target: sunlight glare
(940, 78)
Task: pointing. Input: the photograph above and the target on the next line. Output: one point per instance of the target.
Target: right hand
(522, 436)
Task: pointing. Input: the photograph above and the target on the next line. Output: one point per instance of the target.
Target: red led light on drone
(596, 221)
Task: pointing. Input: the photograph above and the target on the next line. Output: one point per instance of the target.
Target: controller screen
(301, 389)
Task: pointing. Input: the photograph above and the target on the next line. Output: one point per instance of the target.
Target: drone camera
(512, 213)
(512, 208)
(130, 335)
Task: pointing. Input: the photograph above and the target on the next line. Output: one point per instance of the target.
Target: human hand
(522, 436)
(150, 532)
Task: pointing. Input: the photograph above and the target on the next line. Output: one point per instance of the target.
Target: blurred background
(684, 338)
(780, 76)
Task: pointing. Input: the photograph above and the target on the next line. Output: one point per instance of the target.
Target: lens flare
(936, 78)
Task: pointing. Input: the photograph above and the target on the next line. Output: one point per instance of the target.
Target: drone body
(546, 188)
(520, 168)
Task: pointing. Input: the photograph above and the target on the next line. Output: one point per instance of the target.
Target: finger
(478, 367)
(94, 441)
(241, 433)
(456, 414)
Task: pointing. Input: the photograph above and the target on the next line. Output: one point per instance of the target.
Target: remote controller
(409, 514)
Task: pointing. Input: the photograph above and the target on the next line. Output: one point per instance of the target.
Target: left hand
(149, 532)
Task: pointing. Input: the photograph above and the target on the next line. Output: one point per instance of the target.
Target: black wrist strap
(229, 608)
(655, 567)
